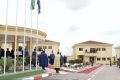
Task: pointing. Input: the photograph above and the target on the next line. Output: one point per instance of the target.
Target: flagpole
(38, 3)
(16, 35)
(6, 36)
(24, 34)
(37, 43)
(31, 41)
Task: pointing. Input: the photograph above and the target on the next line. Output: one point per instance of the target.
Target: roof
(92, 42)
(50, 41)
(117, 47)
(22, 28)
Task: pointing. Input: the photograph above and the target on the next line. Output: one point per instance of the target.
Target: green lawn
(20, 75)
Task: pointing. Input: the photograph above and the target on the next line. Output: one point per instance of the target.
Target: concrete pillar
(13, 45)
(28, 45)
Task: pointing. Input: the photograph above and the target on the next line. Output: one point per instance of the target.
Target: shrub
(27, 60)
(72, 61)
(78, 66)
(77, 61)
(19, 61)
(9, 63)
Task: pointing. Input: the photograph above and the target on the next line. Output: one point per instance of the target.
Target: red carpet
(86, 71)
(51, 67)
(89, 70)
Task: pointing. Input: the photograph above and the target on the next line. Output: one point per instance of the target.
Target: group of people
(12, 53)
(8, 53)
(55, 60)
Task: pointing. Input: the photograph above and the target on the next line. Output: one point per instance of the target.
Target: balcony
(81, 53)
(90, 54)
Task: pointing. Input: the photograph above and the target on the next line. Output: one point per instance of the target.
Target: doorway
(91, 59)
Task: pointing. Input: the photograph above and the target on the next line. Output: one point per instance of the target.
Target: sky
(68, 21)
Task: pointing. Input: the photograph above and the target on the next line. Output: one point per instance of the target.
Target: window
(86, 51)
(80, 49)
(108, 58)
(103, 59)
(103, 49)
(98, 59)
(49, 47)
(93, 50)
(98, 49)
(39, 48)
(44, 47)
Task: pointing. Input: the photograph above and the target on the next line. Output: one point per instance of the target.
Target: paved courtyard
(104, 72)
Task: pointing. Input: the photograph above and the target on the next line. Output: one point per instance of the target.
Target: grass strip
(21, 75)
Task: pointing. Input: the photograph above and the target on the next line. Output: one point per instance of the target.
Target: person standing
(91, 61)
(34, 57)
(26, 53)
(43, 60)
(12, 53)
(110, 63)
(65, 59)
(61, 60)
(52, 57)
(0, 52)
(57, 62)
(7, 53)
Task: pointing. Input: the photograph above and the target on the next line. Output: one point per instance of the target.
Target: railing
(91, 54)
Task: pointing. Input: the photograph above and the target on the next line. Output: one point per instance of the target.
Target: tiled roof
(92, 42)
(117, 47)
(51, 41)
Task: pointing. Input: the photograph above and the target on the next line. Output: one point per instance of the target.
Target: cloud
(73, 29)
(67, 51)
(113, 32)
(76, 4)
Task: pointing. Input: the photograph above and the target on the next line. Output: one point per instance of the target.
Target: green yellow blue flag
(32, 6)
(38, 2)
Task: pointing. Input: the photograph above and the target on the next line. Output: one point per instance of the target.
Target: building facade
(98, 52)
(21, 37)
(70, 58)
(49, 46)
(117, 51)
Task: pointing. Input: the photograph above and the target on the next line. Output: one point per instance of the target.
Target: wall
(100, 54)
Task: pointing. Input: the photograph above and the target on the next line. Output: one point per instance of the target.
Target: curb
(38, 77)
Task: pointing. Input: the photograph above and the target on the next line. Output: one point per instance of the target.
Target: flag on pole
(38, 3)
(32, 6)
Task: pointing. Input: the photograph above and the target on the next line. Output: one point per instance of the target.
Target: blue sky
(69, 21)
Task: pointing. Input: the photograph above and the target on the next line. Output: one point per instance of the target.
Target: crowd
(19, 53)
(57, 60)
